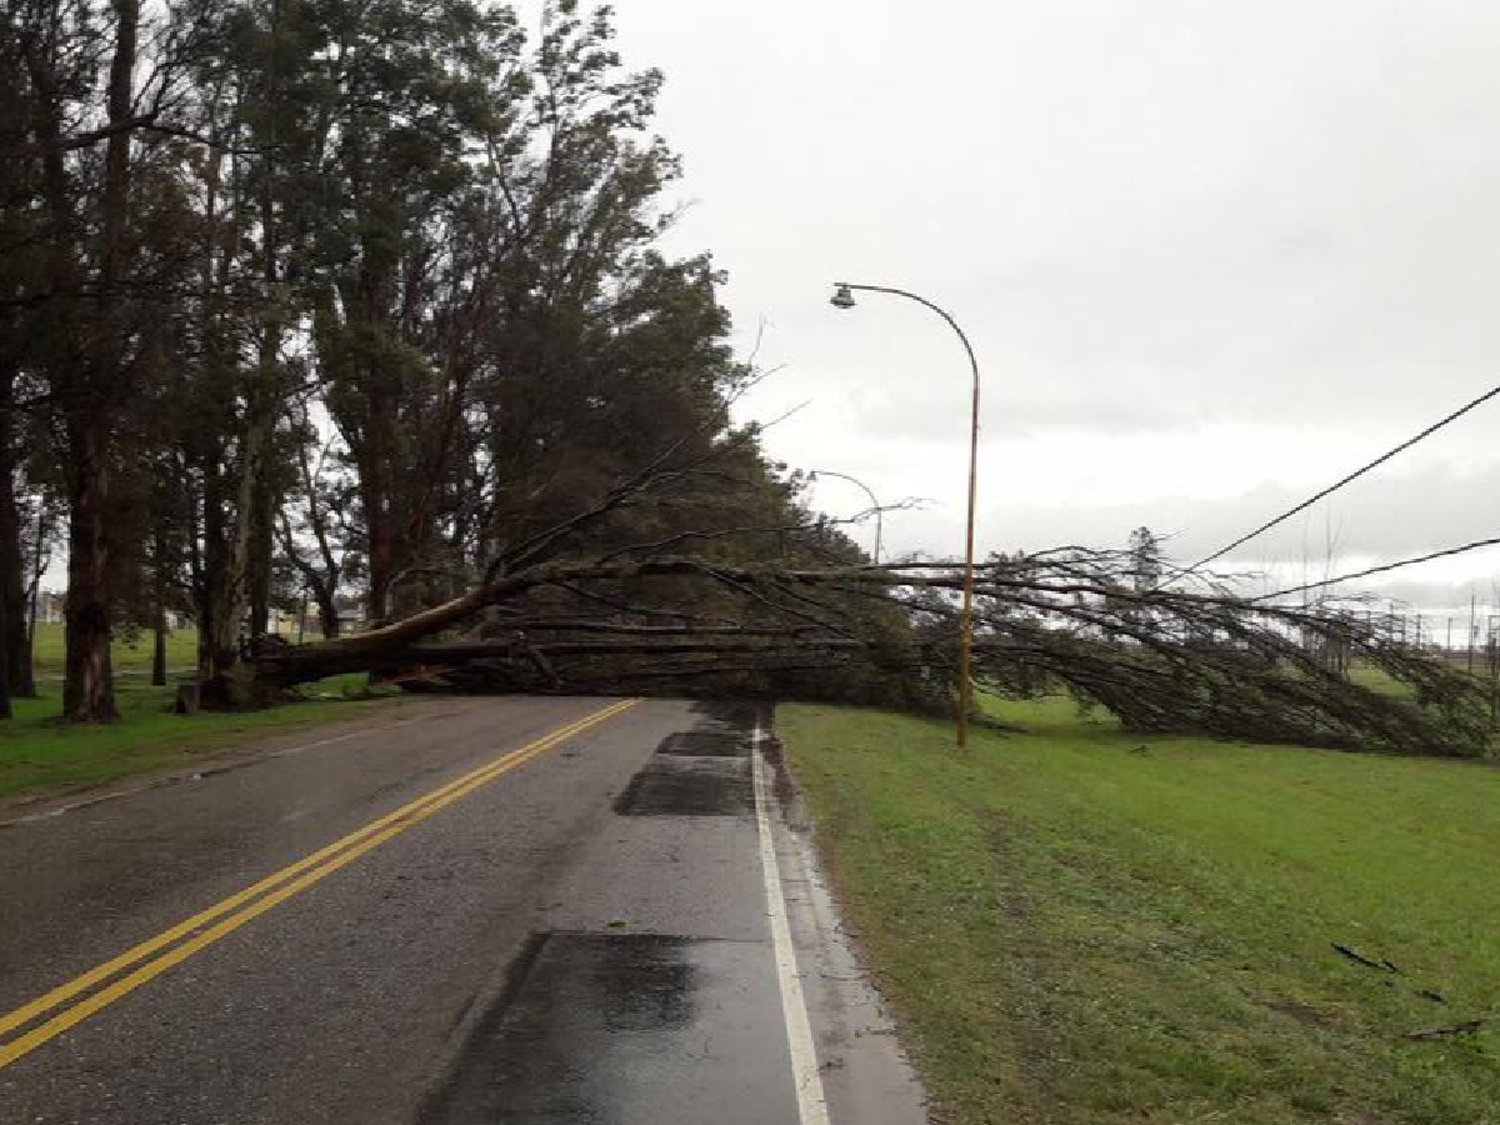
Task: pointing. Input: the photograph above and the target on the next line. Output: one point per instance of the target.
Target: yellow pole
(966, 621)
(843, 300)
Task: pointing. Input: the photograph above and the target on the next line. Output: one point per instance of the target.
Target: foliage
(1162, 660)
(339, 298)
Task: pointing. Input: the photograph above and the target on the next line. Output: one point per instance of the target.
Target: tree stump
(189, 698)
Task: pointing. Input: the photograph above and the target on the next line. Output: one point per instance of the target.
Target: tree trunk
(14, 643)
(328, 614)
(13, 640)
(159, 615)
(212, 569)
(159, 647)
(262, 515)
(232, 583)
(89, 692)
(259, 493)
(5, 711)
(380, 532)
(263, 502)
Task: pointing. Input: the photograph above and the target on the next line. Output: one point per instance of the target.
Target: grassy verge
(37, 753)
(1081, 926)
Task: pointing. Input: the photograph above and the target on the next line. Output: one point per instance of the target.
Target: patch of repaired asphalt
(681, 786)
(704, 771)
(623, 1029)
(706, 744)
(729, 715)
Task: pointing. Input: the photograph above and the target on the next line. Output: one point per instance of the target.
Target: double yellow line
(155, 956)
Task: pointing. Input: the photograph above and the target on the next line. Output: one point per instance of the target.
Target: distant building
(52, 604)
(49, 607)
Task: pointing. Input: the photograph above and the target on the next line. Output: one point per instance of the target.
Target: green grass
(1079, 932)
(129, 654)
(38, 753)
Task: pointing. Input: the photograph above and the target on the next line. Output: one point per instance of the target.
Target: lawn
(1083, 926)
(131, 655)
(38, 753)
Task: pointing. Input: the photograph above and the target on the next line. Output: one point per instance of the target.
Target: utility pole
(1473, 627)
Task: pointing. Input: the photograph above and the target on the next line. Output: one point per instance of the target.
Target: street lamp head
(843, 298)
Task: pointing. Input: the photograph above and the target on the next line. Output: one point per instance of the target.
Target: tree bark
(233, 582)
(88, 693)
(39, 562)
(159, 612)
(211, 569)
(13, 640)
(375, 462)
(159, 647)
(329, 623)
(5, 711)
(262, 514)
(14, 643)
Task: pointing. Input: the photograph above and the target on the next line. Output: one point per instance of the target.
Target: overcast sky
(1211, 257)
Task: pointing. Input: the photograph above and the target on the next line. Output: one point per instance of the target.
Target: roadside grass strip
(1083, 926)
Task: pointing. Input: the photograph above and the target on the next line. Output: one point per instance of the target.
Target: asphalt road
(514, 910)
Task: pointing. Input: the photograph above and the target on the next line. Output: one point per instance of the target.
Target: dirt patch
(1305, 1014)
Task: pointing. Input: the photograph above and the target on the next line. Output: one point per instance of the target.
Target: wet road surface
(512, 910)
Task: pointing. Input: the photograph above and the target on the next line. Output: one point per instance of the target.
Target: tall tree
(18, 234)
(14, 649)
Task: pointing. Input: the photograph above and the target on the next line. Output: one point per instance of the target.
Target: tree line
(303, 297)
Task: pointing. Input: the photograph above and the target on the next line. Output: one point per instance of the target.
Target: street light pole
(874, 503)
(843, 298)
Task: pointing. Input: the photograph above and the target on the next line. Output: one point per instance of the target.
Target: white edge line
(812, 1106)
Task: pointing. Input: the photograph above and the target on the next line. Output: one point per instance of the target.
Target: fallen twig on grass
(1382, 965)
(1466, 1027)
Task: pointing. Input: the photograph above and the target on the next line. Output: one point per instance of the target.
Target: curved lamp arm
(874, 503)
(843, 298)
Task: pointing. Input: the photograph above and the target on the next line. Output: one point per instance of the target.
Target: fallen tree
(1161, 660)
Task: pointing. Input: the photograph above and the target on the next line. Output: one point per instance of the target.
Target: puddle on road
(530, 1058)
(619, 1028)
(679, 786)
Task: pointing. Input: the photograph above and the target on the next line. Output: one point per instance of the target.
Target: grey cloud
(1152, 218)
(1381, 517)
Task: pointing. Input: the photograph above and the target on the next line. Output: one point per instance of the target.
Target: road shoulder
(220, 751)
(866, 1073)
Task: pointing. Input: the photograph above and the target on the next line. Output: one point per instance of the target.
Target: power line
(1332, 488)
(1478, 543)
